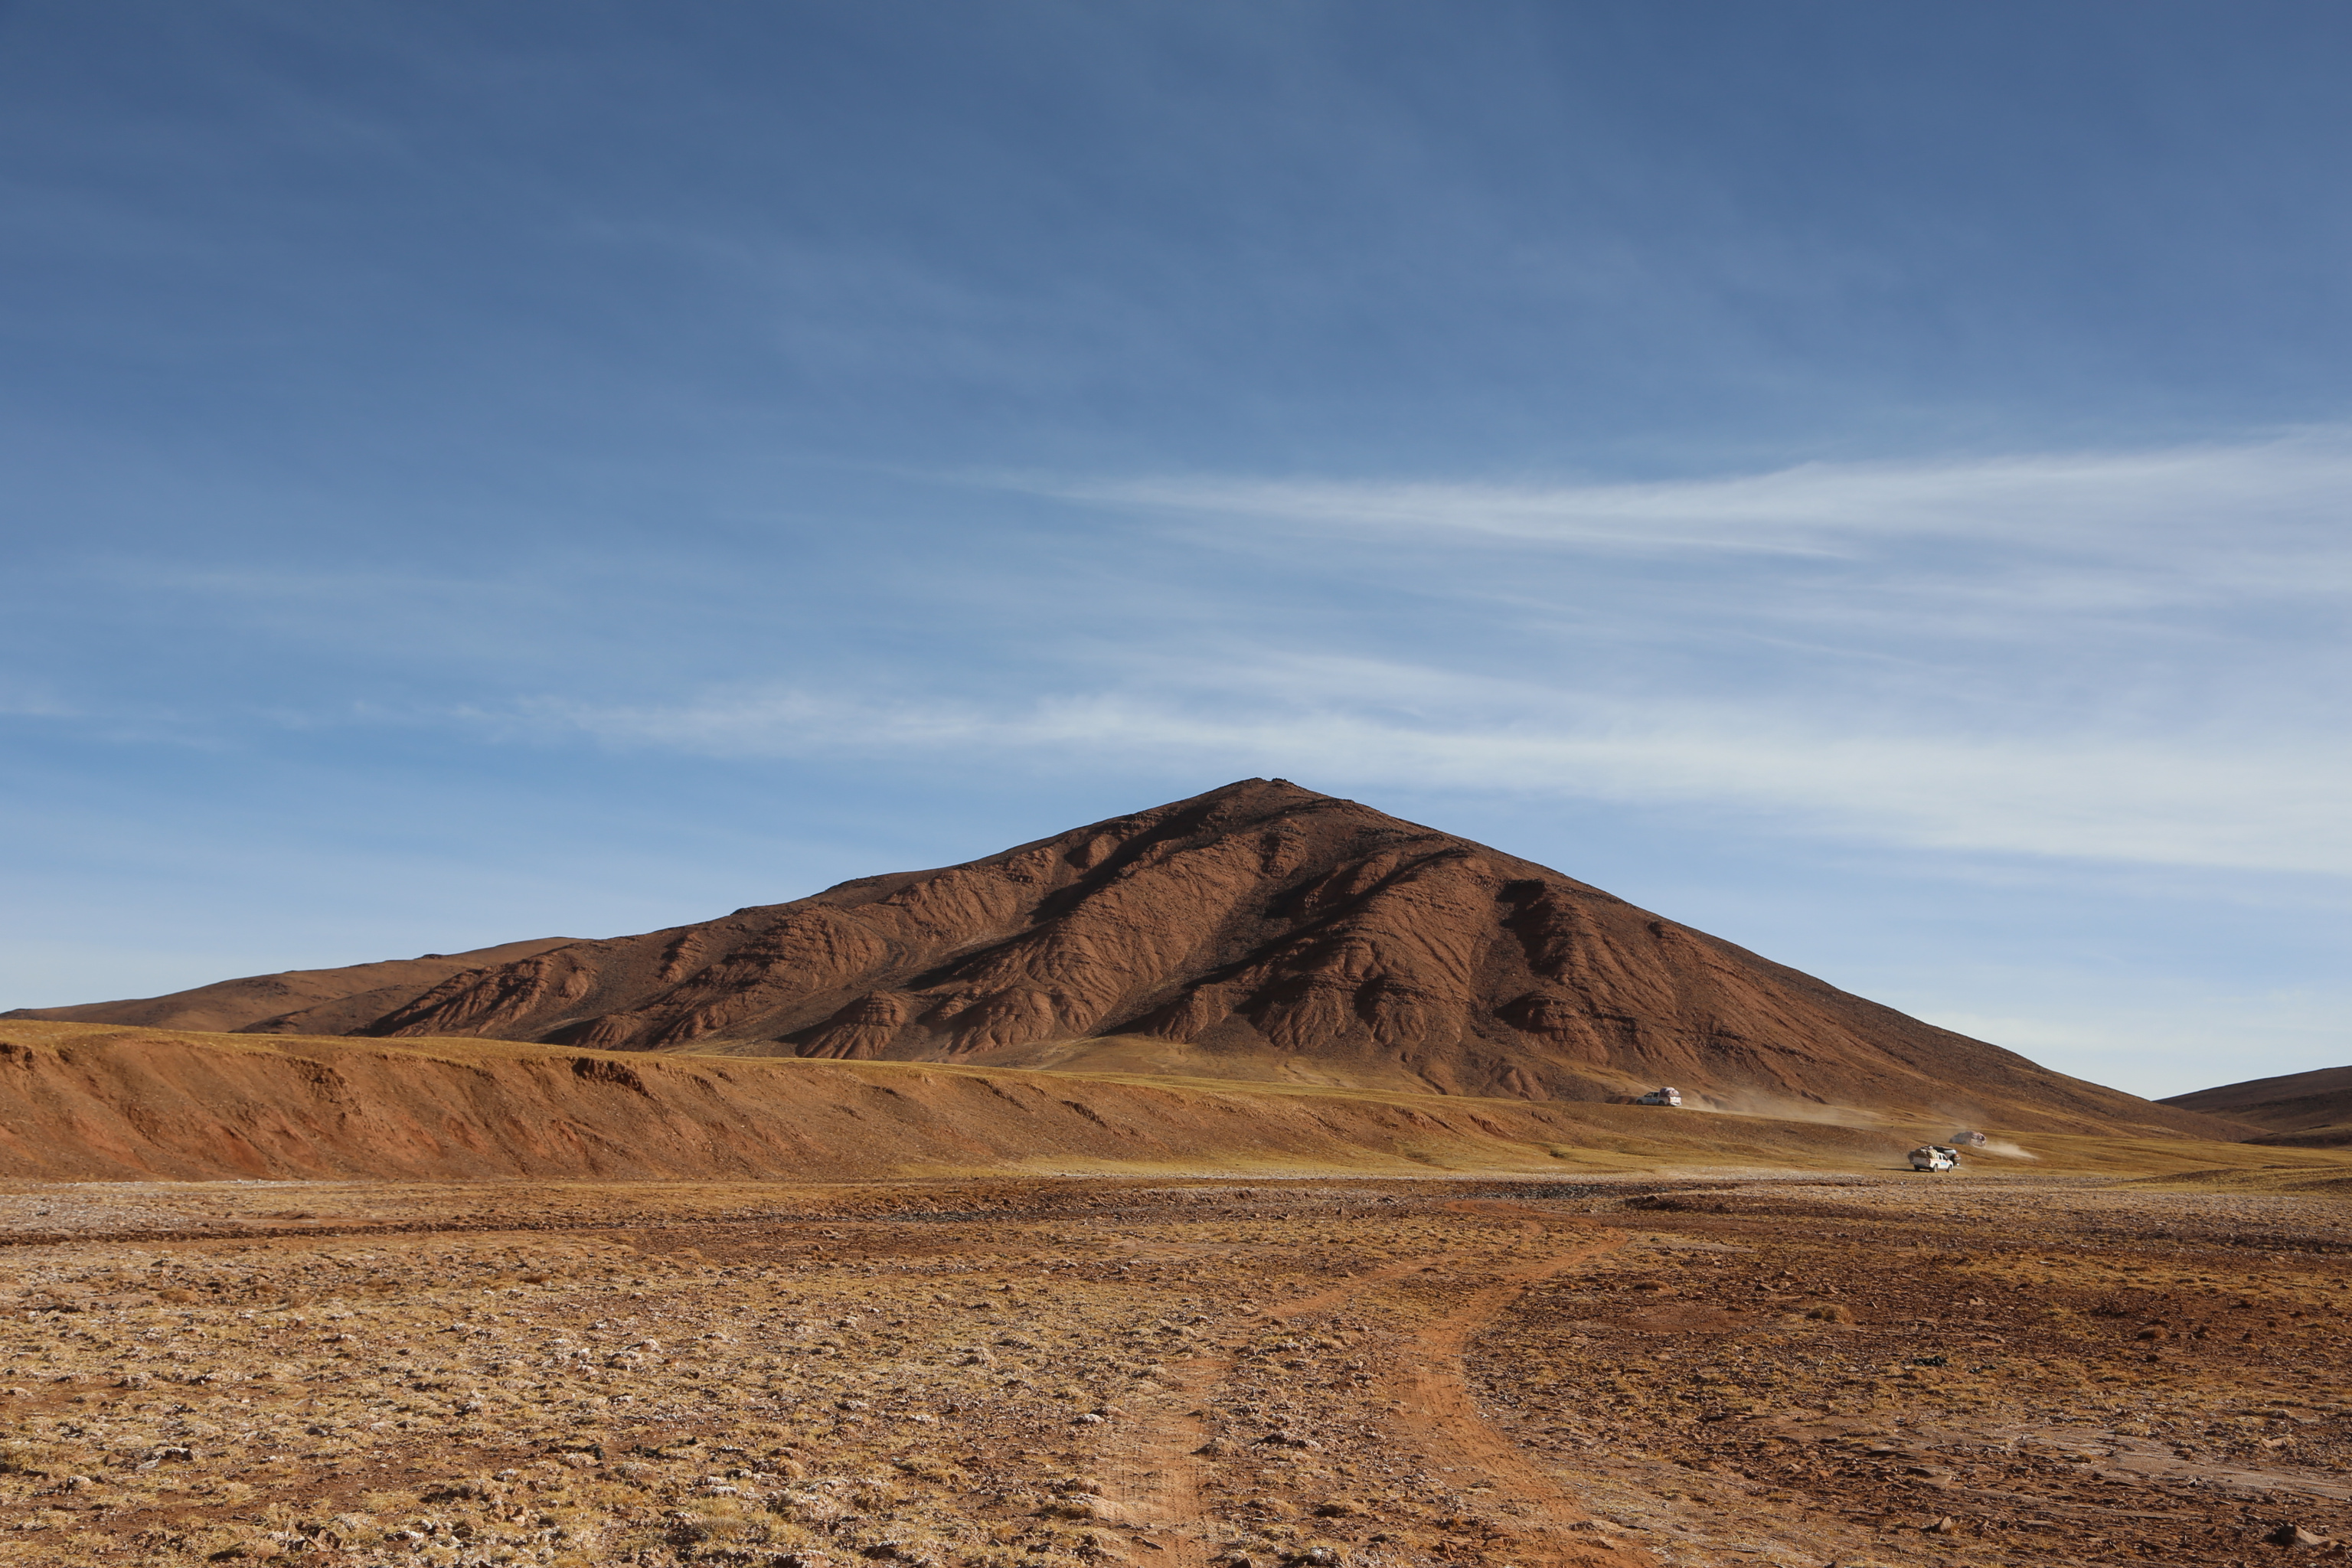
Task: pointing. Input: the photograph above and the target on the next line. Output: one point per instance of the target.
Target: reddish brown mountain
(1265, 923)
(2307, 1110)
(296, 1001)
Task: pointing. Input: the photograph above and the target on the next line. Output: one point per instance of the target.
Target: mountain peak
(1262, 929)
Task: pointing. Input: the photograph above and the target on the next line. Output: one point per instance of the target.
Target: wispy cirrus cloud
(2114, 656)
(2113, 798)
(2260, 503)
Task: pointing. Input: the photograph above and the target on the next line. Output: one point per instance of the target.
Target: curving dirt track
(1433, 1384)
(1153, 1466)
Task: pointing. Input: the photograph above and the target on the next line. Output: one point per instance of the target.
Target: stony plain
(1738, 1368)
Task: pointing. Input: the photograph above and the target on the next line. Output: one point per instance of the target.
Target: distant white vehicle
(1661, 1097)
(1969, 1139)
(1934, 1157)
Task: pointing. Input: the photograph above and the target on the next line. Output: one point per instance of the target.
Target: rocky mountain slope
(294, 1001)
(1257, 927)
(2309, 1109)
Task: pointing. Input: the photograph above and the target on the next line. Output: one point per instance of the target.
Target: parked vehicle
(1661, 1097)
(1934, 1157)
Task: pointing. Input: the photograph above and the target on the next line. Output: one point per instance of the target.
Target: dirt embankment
(85, 1102)
(89, 1102)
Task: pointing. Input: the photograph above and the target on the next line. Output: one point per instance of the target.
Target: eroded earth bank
(1633, 1370)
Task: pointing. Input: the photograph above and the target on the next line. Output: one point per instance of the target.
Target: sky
(1867, 481)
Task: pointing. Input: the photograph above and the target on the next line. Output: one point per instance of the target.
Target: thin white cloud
(2194, 800)
(2258, 505)
(2129, 657)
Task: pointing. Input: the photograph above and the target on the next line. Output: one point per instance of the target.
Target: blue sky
(1867, 481)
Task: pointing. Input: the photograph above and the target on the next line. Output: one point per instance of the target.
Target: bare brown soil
(81, 1101)
(1629, 1369)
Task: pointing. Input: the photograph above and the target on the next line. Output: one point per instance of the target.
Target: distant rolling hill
(2304, 1110)
(294, 1001)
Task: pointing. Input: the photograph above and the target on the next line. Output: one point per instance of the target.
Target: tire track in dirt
(1341, 1295)
(1439, 1409)
(1436, 1412)
(1151, 1481)
(1150, 1470)
(1152, 1477)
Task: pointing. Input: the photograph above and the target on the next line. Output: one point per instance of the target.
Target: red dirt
(85, 1102)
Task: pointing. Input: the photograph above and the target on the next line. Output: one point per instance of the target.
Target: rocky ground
(1896, 1370)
